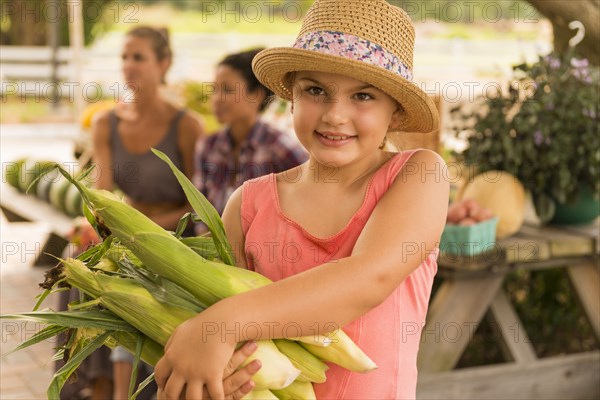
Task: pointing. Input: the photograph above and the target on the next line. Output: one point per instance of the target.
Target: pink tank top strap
(256, 192)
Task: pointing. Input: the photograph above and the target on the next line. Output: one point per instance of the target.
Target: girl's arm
(410, 216)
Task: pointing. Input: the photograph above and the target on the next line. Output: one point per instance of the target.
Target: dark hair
(242, 62)
(159, 39)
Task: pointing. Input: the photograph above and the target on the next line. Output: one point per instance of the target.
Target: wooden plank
(33, 209)
(589, 230)
(19, 72)
(515, 342)
(477, 262)
(19, 206)
(562, 242)
(525, 248)
(33, 54)
(573, 376)
(454, 314)
(585, 277)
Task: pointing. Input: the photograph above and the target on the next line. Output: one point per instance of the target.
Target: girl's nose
(336, 112)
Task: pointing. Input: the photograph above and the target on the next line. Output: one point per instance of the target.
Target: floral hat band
(351, 46)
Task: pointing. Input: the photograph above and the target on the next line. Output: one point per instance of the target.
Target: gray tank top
(145, 178)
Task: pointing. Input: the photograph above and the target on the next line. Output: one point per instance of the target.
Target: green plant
(544, 130)
(196, 97)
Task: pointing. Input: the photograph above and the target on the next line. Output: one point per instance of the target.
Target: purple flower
(589, 113)
(579, 62)
(553, 62)
(538, 137)
(582, 74)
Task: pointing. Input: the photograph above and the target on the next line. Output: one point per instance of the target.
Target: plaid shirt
(266, 150)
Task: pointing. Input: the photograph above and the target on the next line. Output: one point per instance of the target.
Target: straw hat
(369, 40)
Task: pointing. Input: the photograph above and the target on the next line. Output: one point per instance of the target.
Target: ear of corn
(260, 394)
(343, 352)
(265, 352)
(151, 351)
(296, 391)
(317, 340)
(312, 369)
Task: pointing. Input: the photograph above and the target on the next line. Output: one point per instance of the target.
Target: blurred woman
(122, 141)
(247, 147)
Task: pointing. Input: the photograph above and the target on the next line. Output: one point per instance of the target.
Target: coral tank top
(389, 334)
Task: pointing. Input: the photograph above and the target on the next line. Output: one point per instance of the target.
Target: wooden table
(472, 286)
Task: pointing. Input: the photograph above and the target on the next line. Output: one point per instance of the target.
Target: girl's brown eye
(364, 96)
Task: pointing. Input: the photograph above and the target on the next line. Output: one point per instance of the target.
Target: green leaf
(182, 224)
(161, 288)
(61, 376)
(46, 333)
(142, 386)
(205, 211)
(103, 319)
(136, 361)
(43, 296)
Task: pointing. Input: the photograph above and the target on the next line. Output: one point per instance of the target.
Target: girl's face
(340, 119)
(140, 64)
(231, 100)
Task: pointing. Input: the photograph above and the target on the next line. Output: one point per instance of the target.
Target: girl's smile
(334, 139)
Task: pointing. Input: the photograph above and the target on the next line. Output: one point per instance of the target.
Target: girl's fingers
(161, 373)
(174, 387)
(238, 358)
(241, 392)
(215, 389)
(238, 379)
(194, 391)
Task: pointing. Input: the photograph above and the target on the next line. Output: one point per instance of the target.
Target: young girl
(351, 236)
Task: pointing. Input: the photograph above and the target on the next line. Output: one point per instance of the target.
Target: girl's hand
(198, 366)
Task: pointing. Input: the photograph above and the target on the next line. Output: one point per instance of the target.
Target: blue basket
(469, 240)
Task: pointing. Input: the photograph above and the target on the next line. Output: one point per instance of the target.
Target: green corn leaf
(59, 355)
(136, 361)
(142, 386)
(102, 319)
(182, 224)
(161, 288)
(203, 245)
(61, 376)
(46, 333)
(205, 211)
(42, 297)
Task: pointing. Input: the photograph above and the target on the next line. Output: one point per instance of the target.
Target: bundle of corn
(151, 266)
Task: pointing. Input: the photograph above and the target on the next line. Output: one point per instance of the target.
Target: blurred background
(59, 56)
(60, 63)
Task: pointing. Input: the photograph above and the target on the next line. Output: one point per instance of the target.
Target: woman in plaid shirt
(247, 147)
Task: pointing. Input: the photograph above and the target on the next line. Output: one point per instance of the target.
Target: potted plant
(544, 130)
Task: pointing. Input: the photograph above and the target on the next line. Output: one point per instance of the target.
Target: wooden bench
(472, 286)
(17, 206)
(33, 71)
